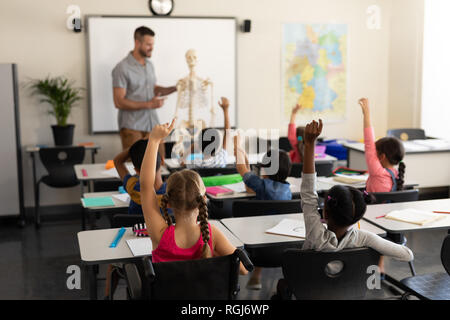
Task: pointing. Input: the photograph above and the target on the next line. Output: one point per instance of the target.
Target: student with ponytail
(344, 207)
(381, 157)
(192, 237)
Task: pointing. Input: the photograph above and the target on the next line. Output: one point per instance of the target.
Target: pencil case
(140, 230)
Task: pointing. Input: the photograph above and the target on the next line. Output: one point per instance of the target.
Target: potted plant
(60, 93)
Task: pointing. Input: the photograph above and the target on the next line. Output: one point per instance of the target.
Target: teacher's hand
(156, 102)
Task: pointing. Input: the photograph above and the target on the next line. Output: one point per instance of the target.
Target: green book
(98, 202)
(221, 180)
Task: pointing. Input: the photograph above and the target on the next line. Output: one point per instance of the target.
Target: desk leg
(36, 195)
(92, 282)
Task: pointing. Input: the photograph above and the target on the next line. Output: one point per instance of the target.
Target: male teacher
(136, 94)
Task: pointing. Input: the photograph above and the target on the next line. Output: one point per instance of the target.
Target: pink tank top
(168, 250)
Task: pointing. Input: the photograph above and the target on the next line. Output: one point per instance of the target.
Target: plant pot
(63, 135)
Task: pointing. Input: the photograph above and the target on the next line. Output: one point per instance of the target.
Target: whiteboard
(110, 39)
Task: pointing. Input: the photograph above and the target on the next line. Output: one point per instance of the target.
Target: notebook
(124, 197)
(236, 187)
(98, 202)
(218, 191)
(140, 246)
(414, 216)
(289, 227)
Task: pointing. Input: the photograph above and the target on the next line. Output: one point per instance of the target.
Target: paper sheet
(289, 227)
(124, 197)
(414, 216)
(140, 246)
(236, 187)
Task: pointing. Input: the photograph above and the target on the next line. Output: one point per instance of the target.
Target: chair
(307, 276)
(250, 208)
(107, 185)
(396, 196)
(208, 172)
(168, 149)
(201, 279)
(126, 220)
(284, 144)
(433, 286)
(407, 134)
(323, 169)
(59, 162)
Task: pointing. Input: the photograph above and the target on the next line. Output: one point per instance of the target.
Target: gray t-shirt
(139, 82)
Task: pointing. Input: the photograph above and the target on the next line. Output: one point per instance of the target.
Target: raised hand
(297, 108)
(312, 131)
(224, 103)
(364, 103)
(161, 131)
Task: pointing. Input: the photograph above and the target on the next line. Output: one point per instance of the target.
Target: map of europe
(314, 69)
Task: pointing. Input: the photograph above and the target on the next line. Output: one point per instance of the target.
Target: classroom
(229, 150)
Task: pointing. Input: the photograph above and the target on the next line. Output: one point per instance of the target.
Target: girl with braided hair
(381, 157)
(192, 237)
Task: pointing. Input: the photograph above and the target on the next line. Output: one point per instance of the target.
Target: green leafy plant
(60, 93)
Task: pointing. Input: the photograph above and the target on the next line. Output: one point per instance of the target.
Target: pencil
(380, 216)
(442, 212)
(359, 226)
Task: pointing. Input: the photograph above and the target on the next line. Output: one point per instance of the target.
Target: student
(295, 137)
(185, 194)
(267, 187)
(344, 206)
(214, 155)
(381, 157)
(131, 183)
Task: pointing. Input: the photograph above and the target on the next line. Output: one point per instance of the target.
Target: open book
(140, 246)
(289, 227)
(414, 216)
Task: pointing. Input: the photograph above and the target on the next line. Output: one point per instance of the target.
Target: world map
(315, 70)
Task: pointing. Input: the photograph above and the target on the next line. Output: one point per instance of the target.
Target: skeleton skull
(191, 58)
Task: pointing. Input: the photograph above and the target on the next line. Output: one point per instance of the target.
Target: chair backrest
(249, 208)
(323, 169)
(407, 134)
(445, 254)
(168, 149)
(126, 220)
(201, 279)
(107, 185)
(308, 276)
(396, 196)
(284, 144)
(59, 162)
(208, 172)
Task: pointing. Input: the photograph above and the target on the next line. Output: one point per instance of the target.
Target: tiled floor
(34, 263)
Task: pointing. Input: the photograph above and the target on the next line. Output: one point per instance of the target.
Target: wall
(37, 40)
(405, 71)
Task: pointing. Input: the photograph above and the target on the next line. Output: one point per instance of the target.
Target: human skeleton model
(192, 94)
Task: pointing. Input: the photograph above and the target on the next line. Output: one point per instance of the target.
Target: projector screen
(436, 70)
(110, 39)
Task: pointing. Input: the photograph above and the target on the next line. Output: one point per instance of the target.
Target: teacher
(136, 94)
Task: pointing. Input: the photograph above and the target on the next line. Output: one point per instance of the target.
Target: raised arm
(223, 246)
(119, 163)
(156, 225)
(242, 164)
(224, 104)
(312, 131)
(373, 163)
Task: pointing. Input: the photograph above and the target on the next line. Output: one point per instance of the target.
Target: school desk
(396, 229)
(251, 232)
(87, 173)
(429, 167)
(94, 250)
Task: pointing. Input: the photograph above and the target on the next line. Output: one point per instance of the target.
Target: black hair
(394, 151)
(143, 31)
(210, 140)
(346, 205)
(137, 151)
(284, 164)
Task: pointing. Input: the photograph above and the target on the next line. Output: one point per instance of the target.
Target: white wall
(37, 40)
